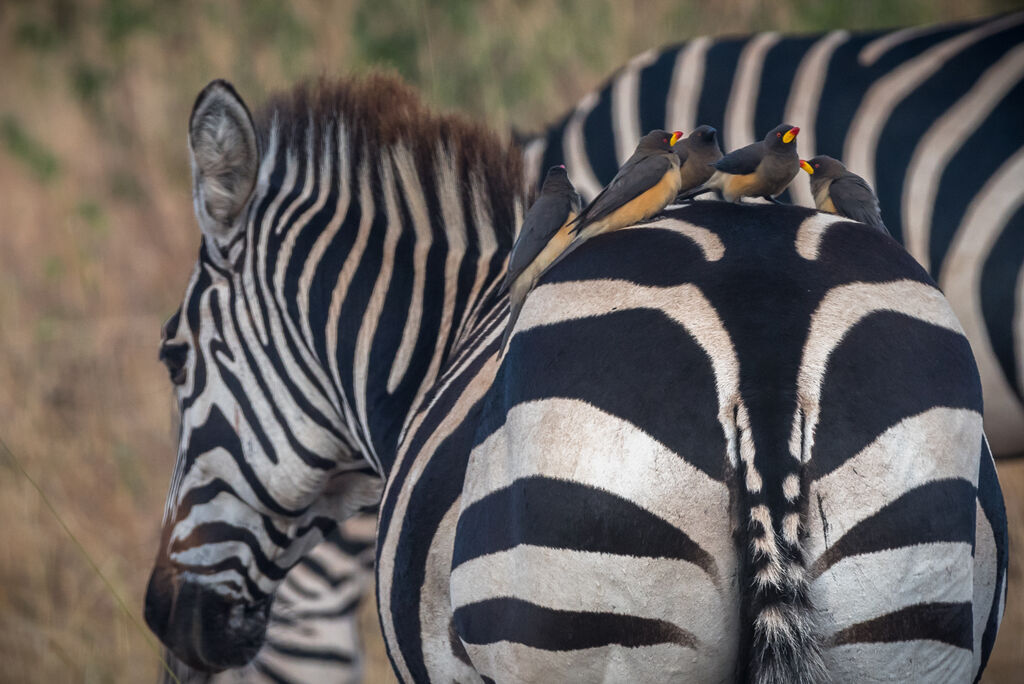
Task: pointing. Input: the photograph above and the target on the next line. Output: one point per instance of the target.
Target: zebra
(351, 241)
(812, 70)
(313, 630)
(700, 417)
(757, 499)
(928, 115)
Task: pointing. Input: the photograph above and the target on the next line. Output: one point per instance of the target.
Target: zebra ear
(225, 161)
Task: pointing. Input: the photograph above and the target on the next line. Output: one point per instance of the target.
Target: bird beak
(806, 167)
(790, 134)
(675, 138)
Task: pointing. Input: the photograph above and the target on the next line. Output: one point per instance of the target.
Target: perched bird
(842, 192)
(644, 185)
(761, 169)
(544, 235)
(697, 152)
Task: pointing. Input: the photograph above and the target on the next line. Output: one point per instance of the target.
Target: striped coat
(714, 449)
(929, 116)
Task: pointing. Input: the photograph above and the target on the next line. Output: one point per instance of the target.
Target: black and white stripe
(737, 443)
(713, 450)
(930, 116)
(324, 304)
(664, 405)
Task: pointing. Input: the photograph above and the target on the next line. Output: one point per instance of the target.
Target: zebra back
(929, 116)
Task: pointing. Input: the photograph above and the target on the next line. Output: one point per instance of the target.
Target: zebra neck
(386, 279)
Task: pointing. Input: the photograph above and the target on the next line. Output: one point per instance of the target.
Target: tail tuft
(784, 647)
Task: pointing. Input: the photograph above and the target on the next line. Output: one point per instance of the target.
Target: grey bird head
(557, 183)
(782, 138)
(825, 168)
(703, 136)
(658, 141)
(703, 144)
(557, 180)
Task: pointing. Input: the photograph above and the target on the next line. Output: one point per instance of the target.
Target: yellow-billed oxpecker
(644, 185)
(697, 152)
(544, 235)
(761, 169)
(840, 191)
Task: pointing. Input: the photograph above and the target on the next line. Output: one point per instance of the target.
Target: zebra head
(268, 459)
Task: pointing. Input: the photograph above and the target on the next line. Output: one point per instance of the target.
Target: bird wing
(630, 182)
(742, 161)
(545, 217)
(853, 198)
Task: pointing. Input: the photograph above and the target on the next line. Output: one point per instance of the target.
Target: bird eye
(778, 135)
(817, 166)
(664, 140)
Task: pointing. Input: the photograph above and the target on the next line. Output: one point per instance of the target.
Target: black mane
(380, 111)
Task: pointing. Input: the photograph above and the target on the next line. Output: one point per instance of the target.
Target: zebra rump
(738, 443)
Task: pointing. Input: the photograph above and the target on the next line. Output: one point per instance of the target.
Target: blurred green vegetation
(31, 152)
(505, 59)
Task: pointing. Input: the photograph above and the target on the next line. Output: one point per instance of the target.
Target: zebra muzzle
(206, 629)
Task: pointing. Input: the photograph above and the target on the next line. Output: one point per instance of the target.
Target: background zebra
(929, 115)
(342, 317)
(313, 631)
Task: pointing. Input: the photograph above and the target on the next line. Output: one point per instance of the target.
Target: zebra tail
(784, 645)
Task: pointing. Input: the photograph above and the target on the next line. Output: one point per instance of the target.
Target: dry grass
(98, 239)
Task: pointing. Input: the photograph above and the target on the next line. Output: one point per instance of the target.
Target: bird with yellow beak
(840, 191)
(643, 186)
(761, 169)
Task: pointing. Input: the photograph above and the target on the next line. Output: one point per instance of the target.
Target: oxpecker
(697, 152)
(761, 169)
(839, 191)
(544, 235)
(644, 185)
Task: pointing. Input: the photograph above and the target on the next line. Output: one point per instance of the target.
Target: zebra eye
(175, 357)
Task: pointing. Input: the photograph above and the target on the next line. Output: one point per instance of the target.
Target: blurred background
(97, 240)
